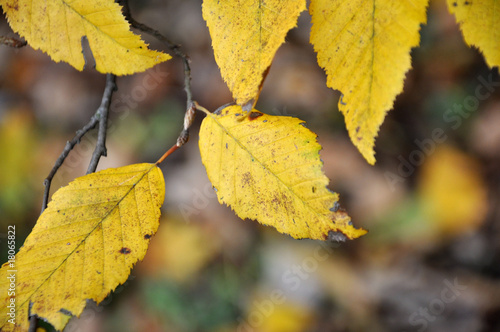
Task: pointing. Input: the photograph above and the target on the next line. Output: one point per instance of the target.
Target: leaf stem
(201, 108)
(166, 154)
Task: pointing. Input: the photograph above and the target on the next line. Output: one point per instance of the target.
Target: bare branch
(69, 146)
(100, 117)
(33, 323)
(176, 49)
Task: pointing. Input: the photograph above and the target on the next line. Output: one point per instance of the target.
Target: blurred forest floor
(431, 259)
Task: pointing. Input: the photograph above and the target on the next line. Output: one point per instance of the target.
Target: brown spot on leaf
(147, 236)
(247, 179)
(288, 203)
(254, 115)
(125, 251)
(14, 8)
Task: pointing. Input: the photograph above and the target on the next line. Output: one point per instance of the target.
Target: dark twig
(176, 48)
(33, 323)
(101, 113)
(12, 42)
(69, 146)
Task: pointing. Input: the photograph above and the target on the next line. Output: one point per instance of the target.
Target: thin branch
(33, 323)
(176, 48)
(12, 42)
(101, 113)
(69, 146)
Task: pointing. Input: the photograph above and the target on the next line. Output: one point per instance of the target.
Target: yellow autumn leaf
(453, 195)
(245, 36)
(57, 27)
(83, 245)
(268, 168)
(364, 47)
(480, 25)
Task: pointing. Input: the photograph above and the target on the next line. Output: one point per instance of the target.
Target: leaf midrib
(320, 216)
(110, 9)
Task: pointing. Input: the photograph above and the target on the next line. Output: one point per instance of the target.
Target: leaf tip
(365, 148)
(370, 158)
